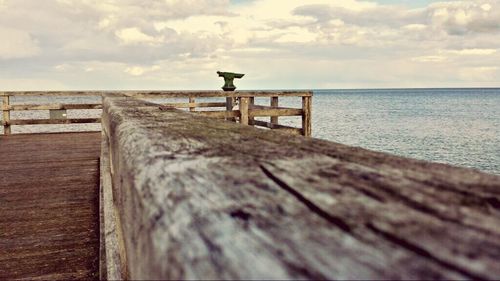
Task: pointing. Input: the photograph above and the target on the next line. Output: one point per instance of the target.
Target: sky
(278, 44)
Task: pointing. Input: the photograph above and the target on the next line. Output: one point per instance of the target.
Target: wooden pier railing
(183, 197)
(246, 111)
(187, 198)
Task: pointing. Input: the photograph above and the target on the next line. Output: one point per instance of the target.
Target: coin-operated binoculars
(231, 102)
(228, 80)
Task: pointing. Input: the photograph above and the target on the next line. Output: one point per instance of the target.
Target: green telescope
(228, 79)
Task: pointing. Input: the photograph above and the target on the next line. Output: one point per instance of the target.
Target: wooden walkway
(49, 206)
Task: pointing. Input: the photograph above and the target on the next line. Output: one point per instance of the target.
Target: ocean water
(454, 126)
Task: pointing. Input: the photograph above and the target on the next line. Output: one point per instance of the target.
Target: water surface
(455, 126)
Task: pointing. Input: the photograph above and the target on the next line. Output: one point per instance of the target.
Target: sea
(460, 127)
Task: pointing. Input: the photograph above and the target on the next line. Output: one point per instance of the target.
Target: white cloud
(297, 35)
(461, 17)
(429, 59)
(17, 44)
(134, 35)
(166, 43)
(415, 27)
(473, 52)
(140, 70)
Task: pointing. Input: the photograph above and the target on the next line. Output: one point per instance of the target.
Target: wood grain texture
(49, 215)
(53, 106)
(275, 112)
(161, 94)
(195, 104)
(112, 255)
(53, 121)
(202, 199)
(283, 128)
(243, 106)
(274, 103)
(307, 116)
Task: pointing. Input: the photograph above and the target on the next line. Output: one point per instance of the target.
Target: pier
(162, 193)
(49, 206)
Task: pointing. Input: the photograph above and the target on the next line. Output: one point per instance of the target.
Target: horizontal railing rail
(238, 106)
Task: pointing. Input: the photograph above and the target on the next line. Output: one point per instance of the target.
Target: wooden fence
(245, 112)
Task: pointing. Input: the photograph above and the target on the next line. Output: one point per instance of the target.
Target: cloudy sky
(279, 44)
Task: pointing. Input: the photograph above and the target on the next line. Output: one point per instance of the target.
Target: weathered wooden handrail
(246, 112)
(163, 94)
(191, 198)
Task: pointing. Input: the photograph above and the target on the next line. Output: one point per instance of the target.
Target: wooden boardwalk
(49, 206)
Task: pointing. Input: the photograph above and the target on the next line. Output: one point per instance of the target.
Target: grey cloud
(465, 17)
(69, 37)
(70, 30)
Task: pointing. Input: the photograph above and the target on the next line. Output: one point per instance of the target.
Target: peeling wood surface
(203, 199)
(49, 214)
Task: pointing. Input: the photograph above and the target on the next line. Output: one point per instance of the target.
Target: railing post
(244, 110)
(306, 116)
(250, 106)
(229, 107)
(274, 103)
(192, 100)
(6, 115)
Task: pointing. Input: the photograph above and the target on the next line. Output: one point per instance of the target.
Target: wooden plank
(306, 116)
(49, 223)
(275, 112)
(287, 129)
(230, 102)
(258, 106)
(57, 93)
(201, 199)
(53, 121)
(21, 107)
(192, 101)
(274, 103)
(198, 104)
(251, 104)
(113, 253)
(164, 94)
(243, 105)
(6, 115)
(220, 114)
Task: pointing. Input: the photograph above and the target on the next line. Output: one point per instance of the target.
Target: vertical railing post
(229, 107)
(274, 103)
(192, 100)
(250, 106)
(244, 110)
(306, 116)
(6, 114)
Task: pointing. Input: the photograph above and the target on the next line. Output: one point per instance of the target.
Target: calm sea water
(455, 126)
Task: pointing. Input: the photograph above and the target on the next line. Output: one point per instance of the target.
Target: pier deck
(49, 206)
